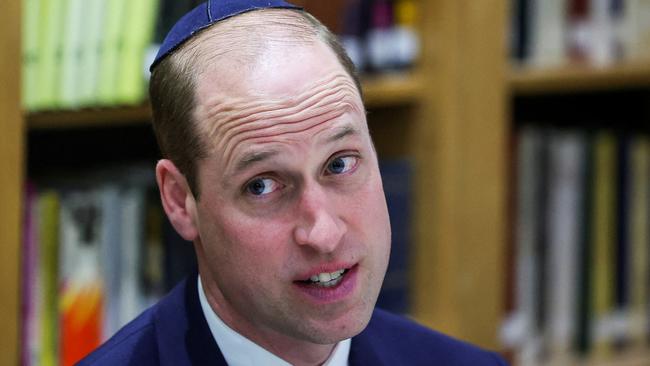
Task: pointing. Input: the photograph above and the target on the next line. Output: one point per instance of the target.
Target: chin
(346, 327)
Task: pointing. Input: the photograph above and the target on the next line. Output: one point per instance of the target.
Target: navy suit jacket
(174, 332)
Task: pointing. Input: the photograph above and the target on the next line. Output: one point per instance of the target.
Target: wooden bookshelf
(530, 81)
(89, 117)
(627, 358)
(391, 89)
(11, 181)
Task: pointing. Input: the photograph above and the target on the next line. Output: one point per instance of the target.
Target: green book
(140, 25)
(89, 60)
(111, 44)
(71, 50)
(31, 54)
(50, 42)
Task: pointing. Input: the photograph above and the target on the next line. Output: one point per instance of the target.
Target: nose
(319, 225)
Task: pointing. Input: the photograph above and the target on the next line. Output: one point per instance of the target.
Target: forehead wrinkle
(275, 131)
(242, 110)
(338, 100)
(239, 116)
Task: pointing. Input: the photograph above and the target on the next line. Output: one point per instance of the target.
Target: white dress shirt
(241, 351)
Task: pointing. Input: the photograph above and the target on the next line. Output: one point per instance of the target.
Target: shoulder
(405, 342)
(134, 344)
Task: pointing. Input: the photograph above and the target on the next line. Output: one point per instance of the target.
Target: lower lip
(331, 294)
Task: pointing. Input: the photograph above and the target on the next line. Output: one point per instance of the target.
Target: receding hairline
(243, 38)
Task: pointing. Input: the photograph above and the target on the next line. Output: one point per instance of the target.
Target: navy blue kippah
(207, 14)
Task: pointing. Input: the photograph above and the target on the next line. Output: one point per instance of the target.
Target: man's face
(290, 193)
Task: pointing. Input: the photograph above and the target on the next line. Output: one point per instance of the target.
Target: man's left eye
(341, 164)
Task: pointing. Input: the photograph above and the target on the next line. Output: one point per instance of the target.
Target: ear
(177, 199)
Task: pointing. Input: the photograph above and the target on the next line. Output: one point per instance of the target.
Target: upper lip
(324, 268)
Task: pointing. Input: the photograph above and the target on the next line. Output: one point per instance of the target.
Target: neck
(295, 351)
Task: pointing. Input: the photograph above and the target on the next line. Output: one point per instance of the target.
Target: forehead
(289, 88)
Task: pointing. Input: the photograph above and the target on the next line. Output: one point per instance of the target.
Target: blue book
(396, 177)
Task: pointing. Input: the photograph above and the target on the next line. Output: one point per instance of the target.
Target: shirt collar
(241, 351)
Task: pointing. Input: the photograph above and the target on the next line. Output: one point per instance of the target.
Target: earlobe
(177, 199)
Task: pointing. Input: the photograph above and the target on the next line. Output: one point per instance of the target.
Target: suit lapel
(364, 351)
(184, 337)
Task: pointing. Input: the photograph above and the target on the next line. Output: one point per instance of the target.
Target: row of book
(581, 248)
(547, 33)
(87, 53)
(380, 35)
(98, 250)
(90, 53)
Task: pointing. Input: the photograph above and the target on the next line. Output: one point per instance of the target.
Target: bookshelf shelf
(531, 81)
(391, 89)
(631, 358)
(89, 117)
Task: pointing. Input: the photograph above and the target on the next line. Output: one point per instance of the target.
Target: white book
(132, 237)
(637, 29)
(548, 32)
(110, 248)
(566, 161)
(529, 152)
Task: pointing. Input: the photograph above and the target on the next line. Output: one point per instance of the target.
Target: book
(638, 256)
(94, 25)
(50, 45)
(48, 234)
(396, 178)
(29, 279)
(139, 24)
(637, 29)
(565, 192)
(81, 288)
(110, 50)
(31, 53)
(111, 266)
(604, 236)
(547, 32)
(68, 67)
(525, 336)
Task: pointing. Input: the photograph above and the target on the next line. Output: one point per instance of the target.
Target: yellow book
(140, 27)
(51, 47)
(604, 236)
(31, 54)
(48, 248)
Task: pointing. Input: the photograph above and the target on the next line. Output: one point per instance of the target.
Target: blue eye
(341, 164)
(262, 186)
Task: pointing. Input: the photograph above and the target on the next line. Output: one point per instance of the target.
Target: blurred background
(514, 143)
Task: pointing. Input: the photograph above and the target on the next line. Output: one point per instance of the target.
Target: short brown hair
(171, 92)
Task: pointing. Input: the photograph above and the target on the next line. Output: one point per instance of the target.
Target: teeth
(327, 279)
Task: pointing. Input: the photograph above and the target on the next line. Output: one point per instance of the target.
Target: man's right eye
(262, 186)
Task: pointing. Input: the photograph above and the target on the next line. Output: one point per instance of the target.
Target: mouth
(325, 279)
(330, 285)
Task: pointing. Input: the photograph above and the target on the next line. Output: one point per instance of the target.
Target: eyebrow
(342, 132)
(254, 157)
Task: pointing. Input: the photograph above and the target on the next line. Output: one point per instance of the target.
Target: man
(270, 171)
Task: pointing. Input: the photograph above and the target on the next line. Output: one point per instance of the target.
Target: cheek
(258, 242)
